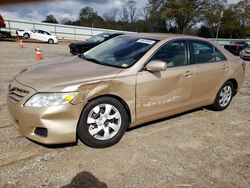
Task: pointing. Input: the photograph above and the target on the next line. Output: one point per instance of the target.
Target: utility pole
(218, 27)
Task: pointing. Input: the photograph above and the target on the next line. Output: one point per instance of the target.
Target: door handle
(188, 73)
(225, 67)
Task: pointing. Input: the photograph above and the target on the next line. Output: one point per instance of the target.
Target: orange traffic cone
(21, 45)
(38, 54)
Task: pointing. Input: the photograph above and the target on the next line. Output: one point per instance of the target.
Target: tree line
(206, 18)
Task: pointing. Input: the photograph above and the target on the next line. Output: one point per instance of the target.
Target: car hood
(60, 74)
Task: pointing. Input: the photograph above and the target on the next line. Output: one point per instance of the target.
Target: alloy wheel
(225, 96)
(104, 121)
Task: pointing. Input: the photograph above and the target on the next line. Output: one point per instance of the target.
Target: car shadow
(54, 146)
(164, 119)
(85, 180)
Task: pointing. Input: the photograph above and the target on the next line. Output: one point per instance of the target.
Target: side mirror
(156, 66)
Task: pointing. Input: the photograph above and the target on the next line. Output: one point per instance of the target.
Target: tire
(51, 41)
(26, 35)
(103, 122)
(223, 97)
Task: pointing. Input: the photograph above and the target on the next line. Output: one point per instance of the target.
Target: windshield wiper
(90, 59)
(93, 60)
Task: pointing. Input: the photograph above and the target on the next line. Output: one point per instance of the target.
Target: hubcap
(104, 121)
(225, 96)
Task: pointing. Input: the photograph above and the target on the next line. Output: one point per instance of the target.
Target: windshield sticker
(146, 41)
(124, 65)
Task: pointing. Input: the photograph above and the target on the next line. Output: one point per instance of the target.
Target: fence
(75, 32)
(223, 42)
(61, 31)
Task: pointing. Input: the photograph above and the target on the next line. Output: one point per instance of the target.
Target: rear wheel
(103, 122)
(224, 97)
(26, 35)
(51, 41)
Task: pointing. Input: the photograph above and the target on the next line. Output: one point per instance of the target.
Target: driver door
(162, 93)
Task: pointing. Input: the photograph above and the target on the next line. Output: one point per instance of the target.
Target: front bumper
(245, 55)
(73, 50)
(59, 121)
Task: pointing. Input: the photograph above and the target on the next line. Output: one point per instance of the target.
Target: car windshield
(120, 52)
(98, 38)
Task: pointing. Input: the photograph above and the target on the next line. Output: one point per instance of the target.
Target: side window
(46, 33)
(203, 52)
(173, 53)
(219, 56)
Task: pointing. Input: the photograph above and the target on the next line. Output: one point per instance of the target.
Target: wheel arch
(119, 99)
(235, 85)
(51, 39)
(111, 96)
(26, 33)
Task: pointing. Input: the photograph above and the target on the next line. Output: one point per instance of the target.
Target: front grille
(16, 94)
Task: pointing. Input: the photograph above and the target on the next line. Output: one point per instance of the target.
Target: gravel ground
(201, 148)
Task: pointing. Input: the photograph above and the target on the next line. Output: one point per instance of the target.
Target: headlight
(50, 99)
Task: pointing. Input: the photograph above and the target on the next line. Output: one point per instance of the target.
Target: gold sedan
(124, 82)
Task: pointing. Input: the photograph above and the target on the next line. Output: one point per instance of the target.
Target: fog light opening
(41, 132)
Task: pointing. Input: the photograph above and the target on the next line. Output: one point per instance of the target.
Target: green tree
(89, 18)
(66, 21)
(87, 13)
(204, 31)
(242, 12)
(187, 13)
(50, 19)
(213, 18)
(230, 28)
(156, 22)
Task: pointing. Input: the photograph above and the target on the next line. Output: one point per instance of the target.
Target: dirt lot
(196, 149)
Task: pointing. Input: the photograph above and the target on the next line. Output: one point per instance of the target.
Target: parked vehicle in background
(236, 47)
(78, 47)
(126, 81)
(4, 34)
(245, 53)
(38, 35)
(24, 33)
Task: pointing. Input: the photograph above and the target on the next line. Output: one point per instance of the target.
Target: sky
(63, 8)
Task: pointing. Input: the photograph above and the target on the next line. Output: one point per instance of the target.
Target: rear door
(35, 35)
(43, 35)
(211, 70)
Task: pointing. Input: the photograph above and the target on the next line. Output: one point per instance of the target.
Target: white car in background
(38, 35)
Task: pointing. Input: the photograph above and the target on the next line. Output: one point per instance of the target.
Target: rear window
(204, 52)
(219, 56)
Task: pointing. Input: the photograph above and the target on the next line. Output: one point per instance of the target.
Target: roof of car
(161, 36)
(116, 33)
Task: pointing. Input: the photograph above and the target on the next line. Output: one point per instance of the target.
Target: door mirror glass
(156, 66)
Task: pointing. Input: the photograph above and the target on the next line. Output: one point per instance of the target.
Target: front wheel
(224, 97)
(51, 41)
(102, 123)
(26, 35)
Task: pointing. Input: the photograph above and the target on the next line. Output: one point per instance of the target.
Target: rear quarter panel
(237, 71)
